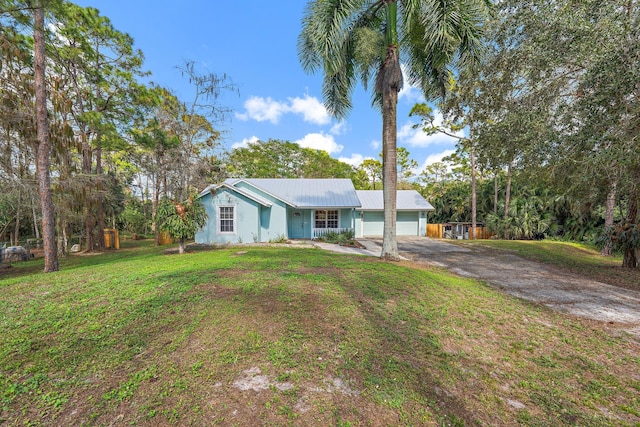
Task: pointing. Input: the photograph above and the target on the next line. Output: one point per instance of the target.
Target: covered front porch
(316, 223)
(319, 233)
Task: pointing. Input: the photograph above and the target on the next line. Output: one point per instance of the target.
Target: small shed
(457, 230)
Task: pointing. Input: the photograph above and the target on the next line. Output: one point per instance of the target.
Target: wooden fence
(436, 231)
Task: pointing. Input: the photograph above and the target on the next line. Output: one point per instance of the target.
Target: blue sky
(255, 43)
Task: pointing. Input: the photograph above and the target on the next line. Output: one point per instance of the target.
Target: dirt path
(532, 281)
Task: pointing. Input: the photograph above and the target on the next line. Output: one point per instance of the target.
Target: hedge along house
(263, 210)
(411, 213)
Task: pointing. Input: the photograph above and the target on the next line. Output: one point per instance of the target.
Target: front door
(296, 224)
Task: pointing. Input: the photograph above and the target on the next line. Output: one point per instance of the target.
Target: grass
(579, 258)
(287, 336)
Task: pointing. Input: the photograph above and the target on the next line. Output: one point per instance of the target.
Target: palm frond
(334, 40)
(440, 36)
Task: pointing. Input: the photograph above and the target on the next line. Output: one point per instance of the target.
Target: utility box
(111, 238)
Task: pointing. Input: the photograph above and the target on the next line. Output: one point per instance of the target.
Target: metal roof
(307, 193)
(407, 200)
(247, 194)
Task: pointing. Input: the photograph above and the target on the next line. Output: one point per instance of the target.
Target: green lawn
(288, 336)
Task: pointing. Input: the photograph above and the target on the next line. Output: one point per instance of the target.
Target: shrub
(343, 238)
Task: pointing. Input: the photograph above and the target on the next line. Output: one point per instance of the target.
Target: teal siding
(274, 222)
(346, 218)
(358, 224)
(247, 219)
(422, 224)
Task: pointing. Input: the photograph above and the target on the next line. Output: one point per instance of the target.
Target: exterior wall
(247, 219)
(346, 218)
(273, 220)
(358, 224)
(273, 224)
(422, 224)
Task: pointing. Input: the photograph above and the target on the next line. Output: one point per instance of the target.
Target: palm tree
(354, 40)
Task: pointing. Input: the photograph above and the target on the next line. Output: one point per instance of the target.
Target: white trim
(242, 191)
(235, 221)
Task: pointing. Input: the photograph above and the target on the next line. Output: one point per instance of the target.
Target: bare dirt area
(553, 287)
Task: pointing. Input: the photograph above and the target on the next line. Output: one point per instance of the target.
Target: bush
(280, 238)
(344, 238)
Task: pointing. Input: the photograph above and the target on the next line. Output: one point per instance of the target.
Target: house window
(226, 219)
(326, 219)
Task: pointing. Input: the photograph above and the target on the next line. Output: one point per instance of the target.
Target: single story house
(263, 210)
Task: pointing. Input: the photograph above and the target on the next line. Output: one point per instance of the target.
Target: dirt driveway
(530, 280)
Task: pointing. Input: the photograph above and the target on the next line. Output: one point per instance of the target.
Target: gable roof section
(407, 200)
(306, 193)
(256, 198)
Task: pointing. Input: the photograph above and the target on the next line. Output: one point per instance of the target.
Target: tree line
(548, 100)
(83, 137)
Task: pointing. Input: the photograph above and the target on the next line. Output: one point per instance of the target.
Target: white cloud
(354, 160)
(267, 109)
(433, 158)
(320, 141)
(263, 109)
(418, 138)
(245, 142)
(412, 94)
(437, 157)
(338, 128)
(311, 109)
(375, 144)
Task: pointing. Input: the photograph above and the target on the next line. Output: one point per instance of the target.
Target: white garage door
(372, 223)
(406, 223)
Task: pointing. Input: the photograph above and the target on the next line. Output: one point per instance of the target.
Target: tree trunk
(507, 195)
(389, 172)
(36, 230)
(89, 218)
(99, 183)
(609, 216)
(62, 247)
(630, 259)
(154, 210)
(44, 144)
(181, 246)
(389, 84)
(16, 234)
(472, 154)
(99, 196)
(495, 194)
